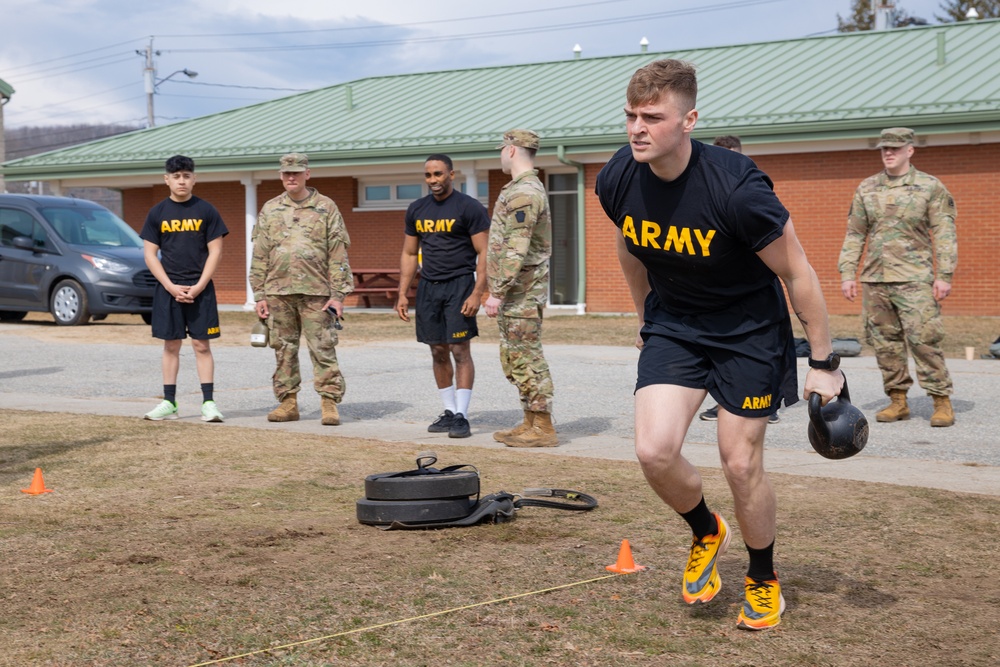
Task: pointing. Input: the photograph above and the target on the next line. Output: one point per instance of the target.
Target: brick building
(808, 111)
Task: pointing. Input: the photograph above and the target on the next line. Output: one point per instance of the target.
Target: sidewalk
(391, 396)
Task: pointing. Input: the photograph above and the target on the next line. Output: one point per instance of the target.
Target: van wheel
(12, 315)
(147, 318)
(69, 304)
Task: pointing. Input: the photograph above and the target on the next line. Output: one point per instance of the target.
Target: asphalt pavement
(391, 396)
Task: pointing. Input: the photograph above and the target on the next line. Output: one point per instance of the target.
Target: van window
(91, 226)
(14, 222)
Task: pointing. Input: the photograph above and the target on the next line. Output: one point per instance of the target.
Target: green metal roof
(6, 90)
(936, 79)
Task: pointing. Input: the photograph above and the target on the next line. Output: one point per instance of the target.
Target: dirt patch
(180, 544)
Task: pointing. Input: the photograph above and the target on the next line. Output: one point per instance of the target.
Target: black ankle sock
(207, 389)
(702, 521)
(761, 563)
(170, 393)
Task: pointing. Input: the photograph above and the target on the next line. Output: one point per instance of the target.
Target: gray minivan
(72, 258)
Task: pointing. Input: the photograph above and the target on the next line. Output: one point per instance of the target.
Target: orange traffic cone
(37, 484)
(625, 564)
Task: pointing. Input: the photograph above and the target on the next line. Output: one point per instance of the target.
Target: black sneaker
(710, 415)
(460, 427)
(443, 422)
(773, 419)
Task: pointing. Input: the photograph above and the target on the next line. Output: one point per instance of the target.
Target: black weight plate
(417, 511)
(458, 484)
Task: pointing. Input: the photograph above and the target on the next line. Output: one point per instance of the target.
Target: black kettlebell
(837, 430)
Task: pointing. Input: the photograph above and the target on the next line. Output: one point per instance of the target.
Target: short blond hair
(650, 82)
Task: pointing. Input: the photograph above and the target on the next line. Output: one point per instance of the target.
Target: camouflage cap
(294, 162)
(895, 137)
(523, 138)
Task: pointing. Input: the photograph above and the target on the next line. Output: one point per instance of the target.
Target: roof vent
(577, 50)
(972, 14)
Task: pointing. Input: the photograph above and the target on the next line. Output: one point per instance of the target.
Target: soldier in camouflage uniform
(517, 269)
(907, 220)
(299, 270)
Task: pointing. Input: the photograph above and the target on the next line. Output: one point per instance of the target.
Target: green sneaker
(210, 413)
(165, 410)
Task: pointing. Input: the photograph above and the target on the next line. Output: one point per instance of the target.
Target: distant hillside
(25, 141)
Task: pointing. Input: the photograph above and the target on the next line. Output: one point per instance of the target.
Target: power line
(73, 55)
(403, 25)
(233, 85)
(72, 71)
(492, 33)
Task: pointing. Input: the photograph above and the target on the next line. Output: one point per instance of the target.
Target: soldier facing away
(906, 218)
(299, 273)
(517, 269)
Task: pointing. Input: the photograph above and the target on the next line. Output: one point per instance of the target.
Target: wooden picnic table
(380, 282)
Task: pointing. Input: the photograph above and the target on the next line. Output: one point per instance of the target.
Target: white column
(471, 182)
(250, 206)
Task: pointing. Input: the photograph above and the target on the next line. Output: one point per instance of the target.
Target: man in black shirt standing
(703, 242)
(449, 230)
(182, 239)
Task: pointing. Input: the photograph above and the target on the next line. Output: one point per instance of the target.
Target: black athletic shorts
(439, 311)
(749, 373)
(173, 320)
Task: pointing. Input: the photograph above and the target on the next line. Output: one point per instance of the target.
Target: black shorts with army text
(439, 311)
(749, 368)
(173, 320)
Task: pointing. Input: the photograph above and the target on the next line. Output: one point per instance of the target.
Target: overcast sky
(75, 61)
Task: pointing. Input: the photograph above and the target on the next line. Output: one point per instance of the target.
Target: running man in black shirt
(449, 230)
(703, 242)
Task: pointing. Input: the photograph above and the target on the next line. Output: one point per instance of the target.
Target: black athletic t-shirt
(445, 230)
(183, 230)
(698, 235)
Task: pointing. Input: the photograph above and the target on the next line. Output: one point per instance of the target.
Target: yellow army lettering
(460, 334)
(756, 402)
(677, 238)
(213, 330)
(180, 226)
(428, 226)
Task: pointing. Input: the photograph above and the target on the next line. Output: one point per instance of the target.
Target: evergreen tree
(955, 10)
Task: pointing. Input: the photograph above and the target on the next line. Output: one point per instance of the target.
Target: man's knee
(440, 354)
(462, 353)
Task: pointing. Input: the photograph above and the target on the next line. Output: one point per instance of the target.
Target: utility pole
(149, 80)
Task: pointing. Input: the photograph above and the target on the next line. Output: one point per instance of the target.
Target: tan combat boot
(529, 418)
(331, 416)
(896, 411)
(943, 415)
(288, 411)
(541, 434)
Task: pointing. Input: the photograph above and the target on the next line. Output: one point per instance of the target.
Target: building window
(482, 190)
(388, 194)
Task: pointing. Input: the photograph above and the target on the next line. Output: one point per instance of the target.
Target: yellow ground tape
(405, 620)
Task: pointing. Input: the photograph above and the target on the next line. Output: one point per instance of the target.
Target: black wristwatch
(831, 363)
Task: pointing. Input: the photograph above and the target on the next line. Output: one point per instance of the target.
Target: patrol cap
(895, 137)
(523, 138)
(294, 162)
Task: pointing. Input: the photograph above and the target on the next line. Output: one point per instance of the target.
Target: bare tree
(863, 18)
(955, 10)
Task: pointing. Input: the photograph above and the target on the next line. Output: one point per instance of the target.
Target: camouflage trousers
(293, 316)
(522, 359)
(901, 316)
